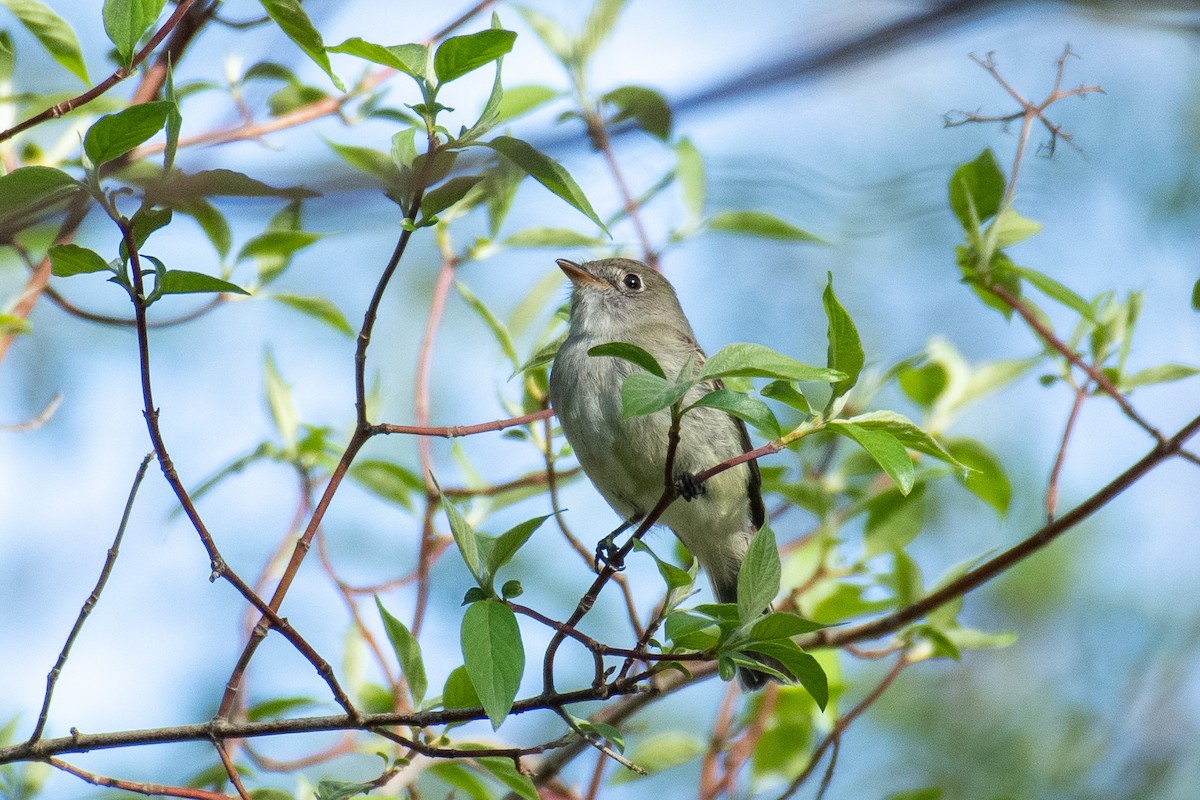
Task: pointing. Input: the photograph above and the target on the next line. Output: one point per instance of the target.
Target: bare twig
(134, 786)
(37, 421)
(1061, 456)
(842, 724)
(232, 771)
(90, 603)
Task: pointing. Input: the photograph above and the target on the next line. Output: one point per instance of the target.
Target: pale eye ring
(632, 282)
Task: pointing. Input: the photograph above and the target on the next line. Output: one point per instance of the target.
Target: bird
(623, 300)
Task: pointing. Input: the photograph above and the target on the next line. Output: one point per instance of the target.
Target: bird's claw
(608, 554)
(687, 487)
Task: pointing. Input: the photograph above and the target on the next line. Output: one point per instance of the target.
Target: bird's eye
(633, 282)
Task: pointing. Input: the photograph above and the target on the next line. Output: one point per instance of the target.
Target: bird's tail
(751, 679)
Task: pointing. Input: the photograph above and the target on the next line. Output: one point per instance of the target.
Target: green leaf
(691, 631)
(784, 392)
(661, 752)
(1057, 291)
(520, 100)
(758, 578)
(986, 479)
(802, 666)
(1196, 295)
(7, 57)
(778, 625)
(319, 308)
(408, 651)
(882, 446)
(460, 778)
(281, 404)
(329, 789)
(446, 195)
(597, 27)
(893, 520)
(673, 576)
(368, 160)
(174, 117)
(145, 222)
(499, 331)
(1012, 228)
(52, 32)
(689, 172)
(928, 793)
(389, 481)
(278, 706)
(270, 793)
(179, 281)
(459, 55)
(490, 114)
(760, 223)
(458, 691)
(845, 352)
(508, 543)
(291, 19)
(906, 580)
(180, 187)
(743, 360)
(743, 407)
(550, 237)
(28, 192)
(629, 352)
(550, 32)
(505, 771)
(924, 384)
(493, 655)
(643, 393)
(114, 135)
(410, 59)
(1163, 373)
(466, 539)
(126, 20)
(278, 243)
(71, 259)
(545, 171)
(906, 432)
(646, 107)
(12, 325)
(272, 256)
(976, 189)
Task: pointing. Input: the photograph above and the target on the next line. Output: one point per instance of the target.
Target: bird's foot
(687, 487)
(608, 554)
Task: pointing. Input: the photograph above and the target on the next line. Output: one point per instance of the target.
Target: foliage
(864, 475)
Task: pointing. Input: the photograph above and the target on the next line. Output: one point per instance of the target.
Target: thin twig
(1095, 374)
(232, 771)
(1061, 456)
(90, 603)
(134, 786)
(843, 722)
(452, 431)
(118, 75)
(38, 420)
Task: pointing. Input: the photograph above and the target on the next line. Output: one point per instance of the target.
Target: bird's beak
(578, 275)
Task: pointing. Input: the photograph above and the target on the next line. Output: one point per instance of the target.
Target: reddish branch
(120, 74)
(839, 727)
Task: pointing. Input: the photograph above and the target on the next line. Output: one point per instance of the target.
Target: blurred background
(830, 116)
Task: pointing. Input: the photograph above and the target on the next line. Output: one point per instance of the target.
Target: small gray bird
(621, 300)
